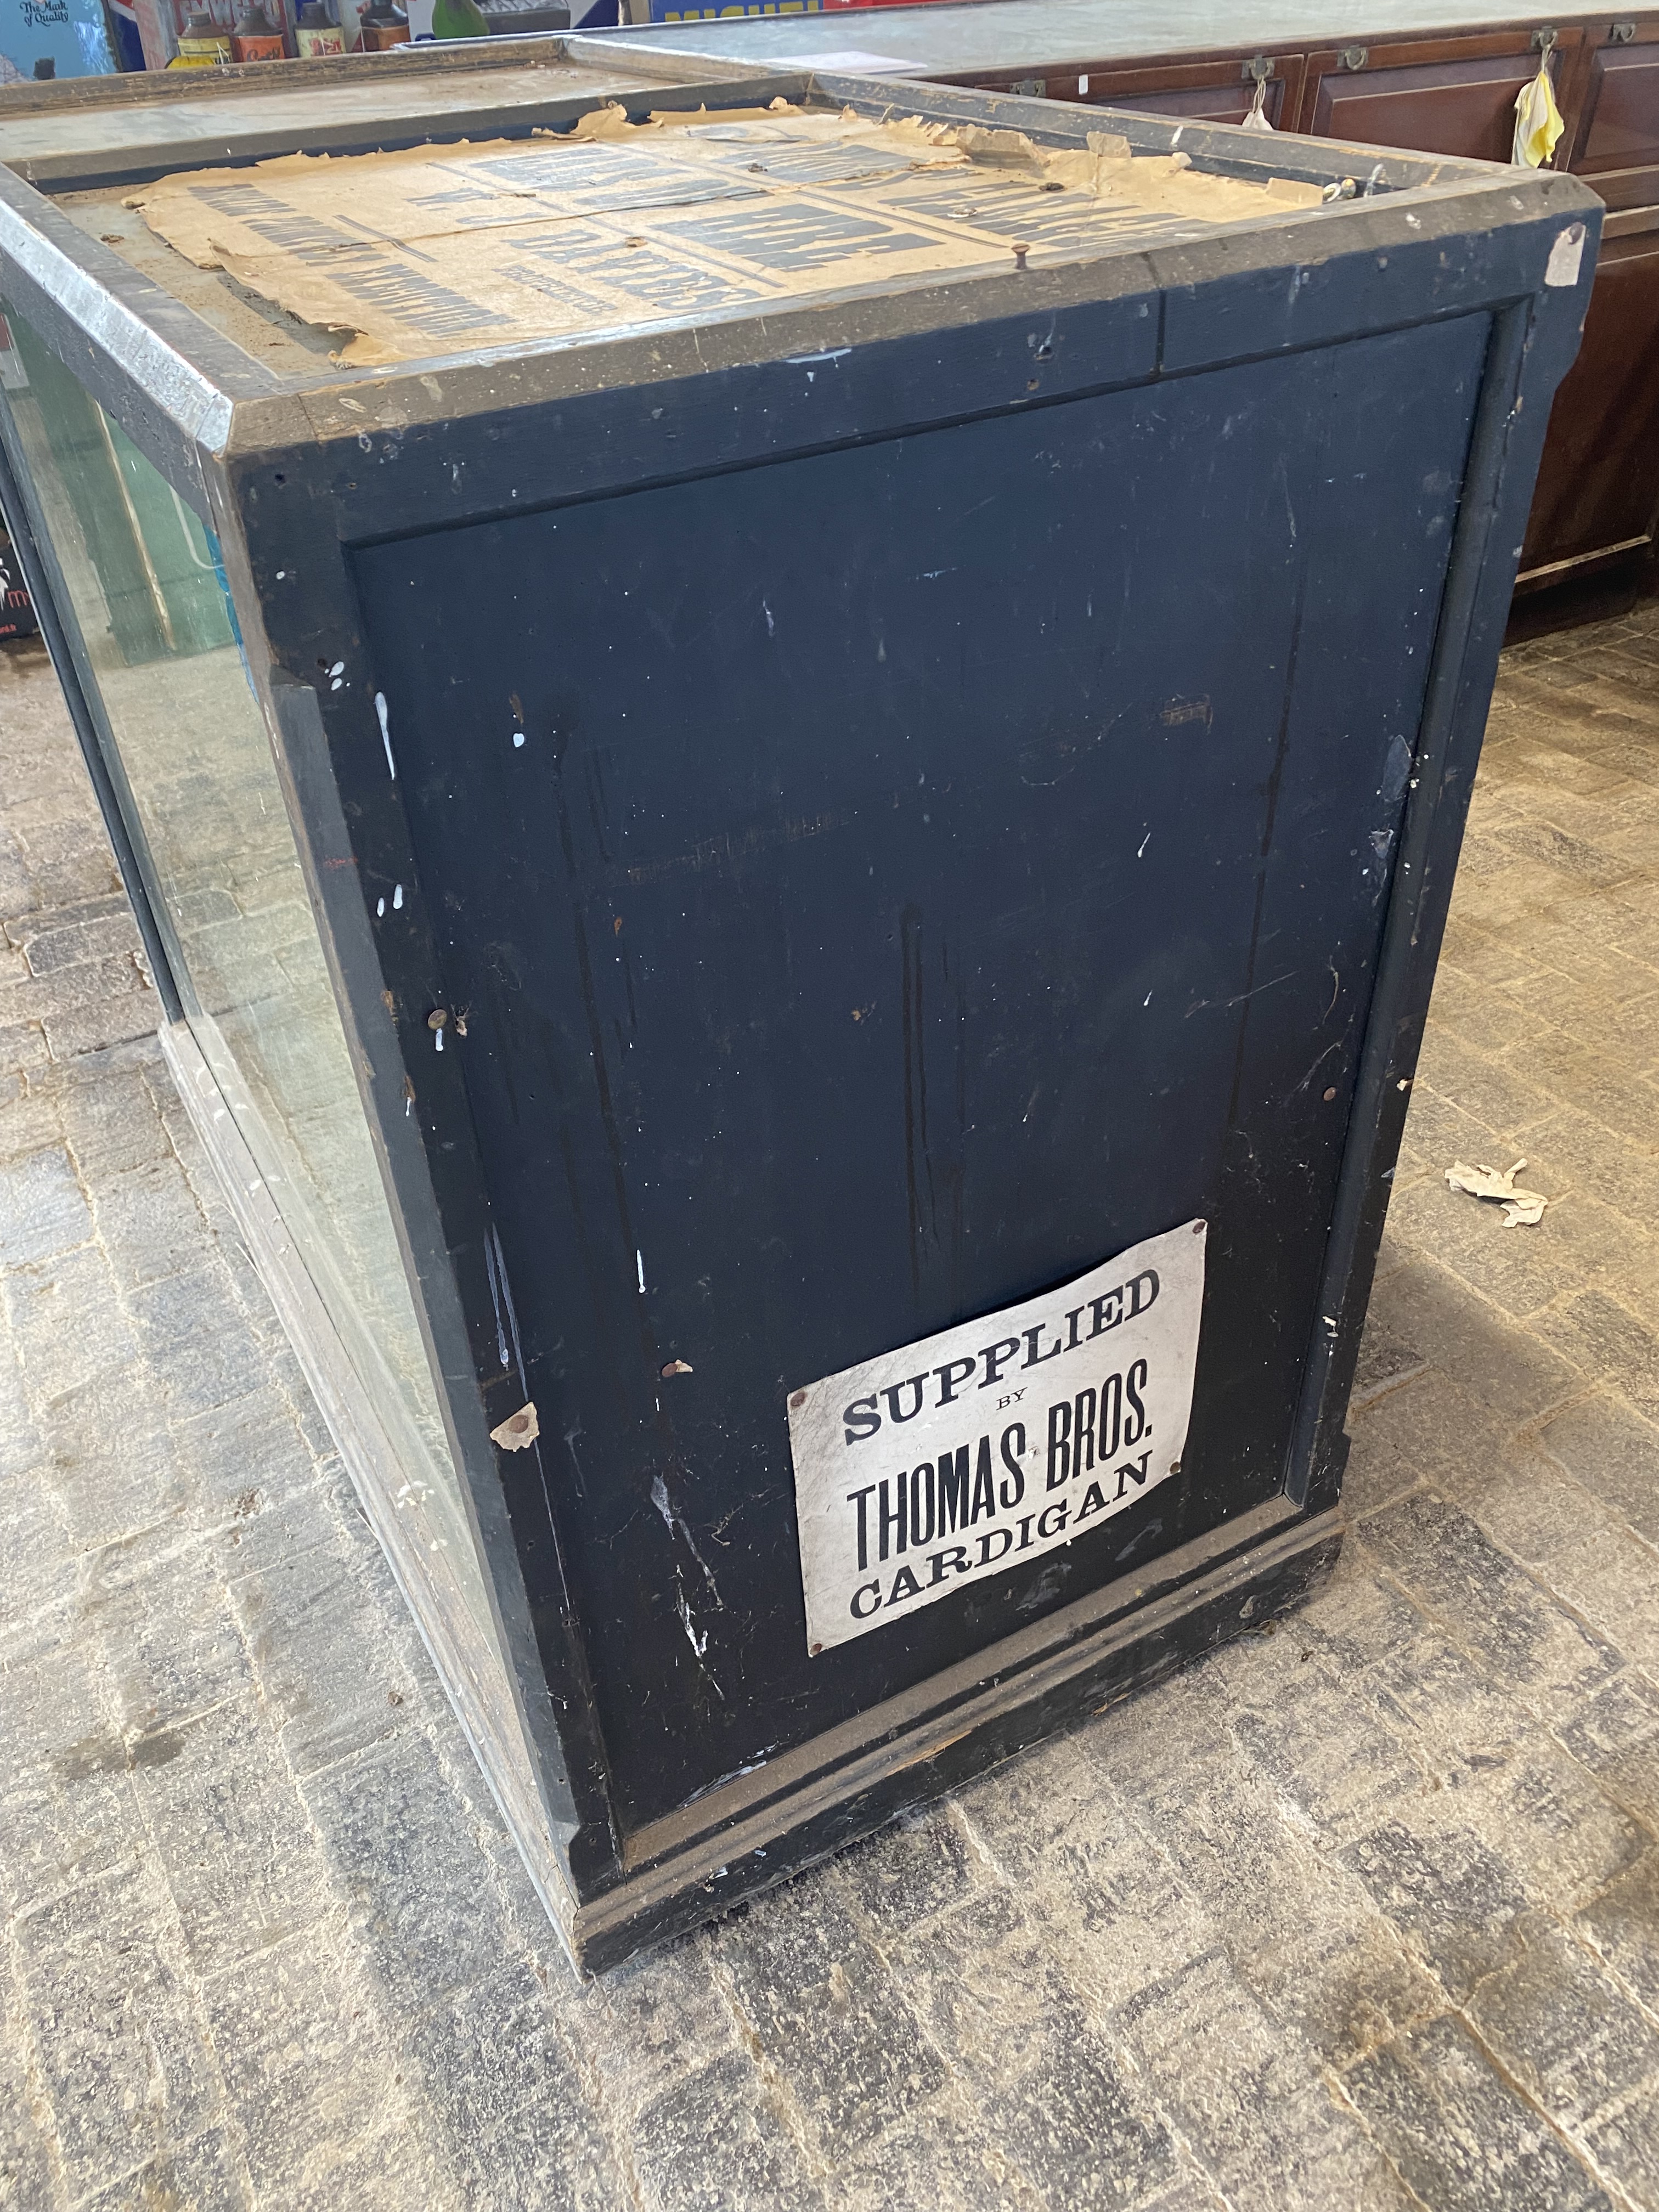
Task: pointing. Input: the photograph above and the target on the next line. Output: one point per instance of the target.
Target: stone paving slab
(1359, 1916)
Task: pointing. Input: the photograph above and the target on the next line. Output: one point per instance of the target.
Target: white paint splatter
(397, 896)
(690, 1632)
(385, 733)
(380, 907)
(639, 1261)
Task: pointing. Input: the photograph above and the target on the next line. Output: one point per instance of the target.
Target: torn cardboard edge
(437, 249)
(518, 1431)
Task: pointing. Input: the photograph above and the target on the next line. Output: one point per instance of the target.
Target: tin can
(314, 34)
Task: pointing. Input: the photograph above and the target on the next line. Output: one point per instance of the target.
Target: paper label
(1561, 270)
(945, 1461)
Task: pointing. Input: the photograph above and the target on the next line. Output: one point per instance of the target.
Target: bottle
(202, 44)
(314, 34)
(383, 26)
(458, 19)
(255, 37)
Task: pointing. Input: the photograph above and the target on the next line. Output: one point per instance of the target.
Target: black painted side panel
(926, 869)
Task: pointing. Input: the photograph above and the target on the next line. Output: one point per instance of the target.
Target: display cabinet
(792, 777)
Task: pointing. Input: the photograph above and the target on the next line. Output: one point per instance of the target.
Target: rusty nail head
(437, 1018)
(1174, 1466)
(1330, 1094)
(1198, 1227)
(1020, 252)
(816, 1648)
(518, 1424)
(798, 1398)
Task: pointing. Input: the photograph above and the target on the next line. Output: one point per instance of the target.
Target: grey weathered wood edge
(913, 1750)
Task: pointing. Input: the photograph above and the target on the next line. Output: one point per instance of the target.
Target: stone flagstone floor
(1359, 1916)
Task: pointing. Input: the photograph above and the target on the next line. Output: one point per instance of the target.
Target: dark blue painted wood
(926, 870)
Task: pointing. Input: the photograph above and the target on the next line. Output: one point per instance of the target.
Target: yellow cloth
(1538, 122)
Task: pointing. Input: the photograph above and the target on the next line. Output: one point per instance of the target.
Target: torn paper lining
(439, 250)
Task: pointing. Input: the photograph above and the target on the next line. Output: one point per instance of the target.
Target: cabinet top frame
(197, 404)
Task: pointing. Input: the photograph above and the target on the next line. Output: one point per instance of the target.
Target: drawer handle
(1622, 33)
(1030, 88)
(1544, 38)
(1354, 58)
(1259, 70)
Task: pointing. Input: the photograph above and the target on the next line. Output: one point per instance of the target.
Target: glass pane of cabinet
(144, 587)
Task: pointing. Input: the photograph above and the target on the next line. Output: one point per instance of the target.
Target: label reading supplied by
(945, 1461)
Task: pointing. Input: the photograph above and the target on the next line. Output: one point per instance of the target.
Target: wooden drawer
(1433, 95)
(1220, 91)
(1615, 136)
(1621, 189)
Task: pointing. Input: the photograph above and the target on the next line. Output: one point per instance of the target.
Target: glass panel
(159, 634)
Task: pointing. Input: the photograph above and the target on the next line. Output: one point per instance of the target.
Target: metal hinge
(1354, 58)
